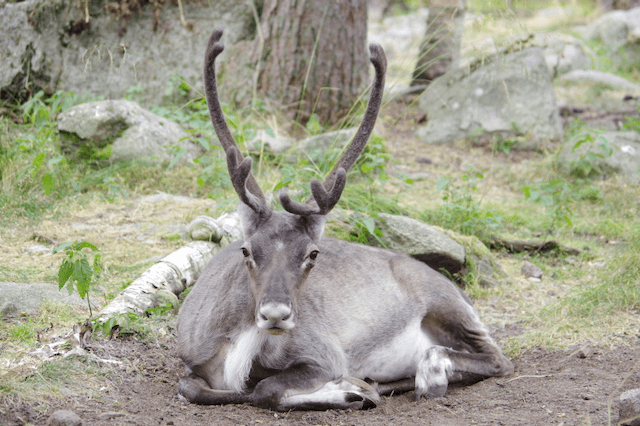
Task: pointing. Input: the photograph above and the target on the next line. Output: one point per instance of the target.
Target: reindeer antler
(325, 195)
(239, 167)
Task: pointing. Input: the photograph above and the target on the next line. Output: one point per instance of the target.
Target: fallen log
(163, 282)
(519, 246)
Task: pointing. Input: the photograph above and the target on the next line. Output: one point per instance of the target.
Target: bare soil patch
(546, 388)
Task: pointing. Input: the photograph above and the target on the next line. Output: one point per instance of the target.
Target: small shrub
(77, 269)
(588, 163)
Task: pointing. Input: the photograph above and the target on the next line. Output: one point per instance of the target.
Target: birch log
(164, 281)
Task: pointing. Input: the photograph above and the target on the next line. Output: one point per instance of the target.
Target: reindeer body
(286, 319)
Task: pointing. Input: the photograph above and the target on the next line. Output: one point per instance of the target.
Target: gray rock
(479, 261)
(22, 297)
(511, 95)
(276, 143)
(609, 79)
(317, 146)
(630, 408)
(121, 130)
(625, 157)
(563, 53)
(529, 270)
(584, 351)
(619, 30)
(64, 418)
(421, 241)
(35, 43)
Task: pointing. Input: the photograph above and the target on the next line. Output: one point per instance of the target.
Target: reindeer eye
(245, 252)
(313, 255)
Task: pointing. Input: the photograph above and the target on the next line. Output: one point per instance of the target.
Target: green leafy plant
(77, 269)
(145, 328)
(313, 126)
(460, 211)
(556, 195)
(133, 92)
(588, 163)
(47, 163)
(504, 145)
(631, 123)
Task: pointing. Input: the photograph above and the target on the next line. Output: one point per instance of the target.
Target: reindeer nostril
(286, 317)
(263, 317)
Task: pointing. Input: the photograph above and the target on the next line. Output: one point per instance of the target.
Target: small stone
(38, 249)
(530, 270)
(64, 418)
(110, 415)
(630, 408)
(585, 351)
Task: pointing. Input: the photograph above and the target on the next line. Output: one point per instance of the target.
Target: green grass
(612, 289)
(22, 330)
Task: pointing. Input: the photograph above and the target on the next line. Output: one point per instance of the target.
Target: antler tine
(325, 200)
(348, 159)
(239, 167)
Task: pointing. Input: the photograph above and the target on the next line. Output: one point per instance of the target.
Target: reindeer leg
(463, 346)
(305, 387)
(197, 391)
(343, 393)
(440, 365)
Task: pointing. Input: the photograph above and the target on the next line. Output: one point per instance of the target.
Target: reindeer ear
(249, 219)
(315, 225)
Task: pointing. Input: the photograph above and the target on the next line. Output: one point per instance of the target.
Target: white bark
(164, 281)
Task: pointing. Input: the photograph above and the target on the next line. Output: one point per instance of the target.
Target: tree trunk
(440, 47)
(313, 57)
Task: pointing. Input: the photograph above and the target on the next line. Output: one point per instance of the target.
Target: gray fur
(286, 319)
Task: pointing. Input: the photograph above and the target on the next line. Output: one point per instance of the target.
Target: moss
(479, 264)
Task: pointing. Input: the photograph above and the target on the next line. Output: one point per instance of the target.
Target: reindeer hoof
(342, 394)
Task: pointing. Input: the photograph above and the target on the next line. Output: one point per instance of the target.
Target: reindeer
(287, 319)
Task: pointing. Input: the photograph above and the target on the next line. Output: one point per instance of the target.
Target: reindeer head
(280, 247)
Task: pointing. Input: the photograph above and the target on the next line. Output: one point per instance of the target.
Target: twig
(528, 376)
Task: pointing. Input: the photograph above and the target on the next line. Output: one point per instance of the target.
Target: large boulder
(479, 262)
(563, 53)
(507, 96)
(607, 153)
(619, 31)
(29, 297)
(115, 131)
(421, 241)
(47, 43)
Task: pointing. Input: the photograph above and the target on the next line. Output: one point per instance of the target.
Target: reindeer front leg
(197, 391)
(306, 387)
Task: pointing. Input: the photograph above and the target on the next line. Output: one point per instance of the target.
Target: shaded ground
(546, 389)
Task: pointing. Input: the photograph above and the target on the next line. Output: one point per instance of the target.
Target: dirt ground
(547, 388)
